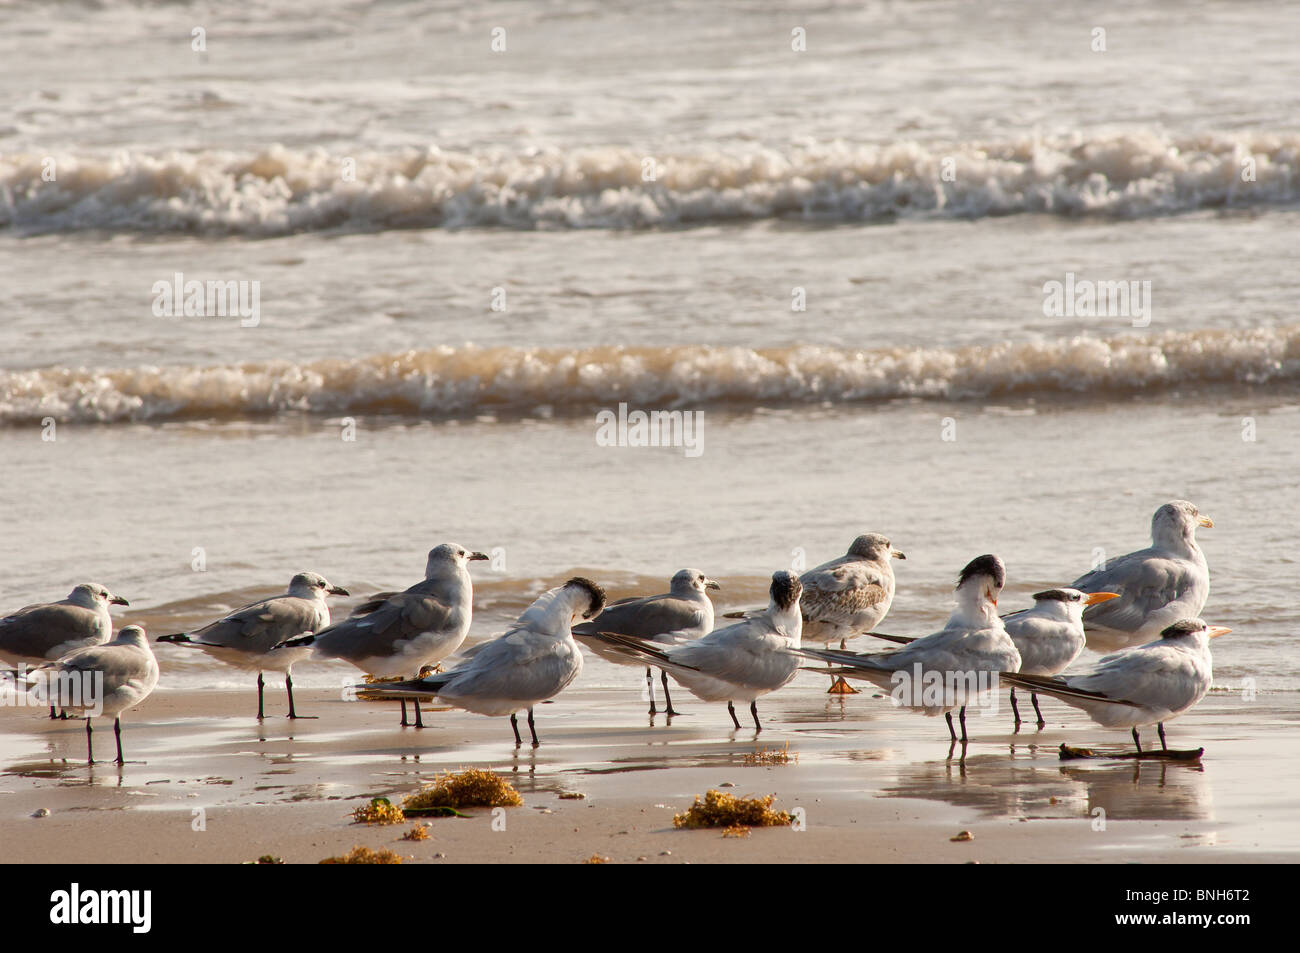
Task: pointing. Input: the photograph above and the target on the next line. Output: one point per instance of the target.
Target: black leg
(260, 685)
(90, 747)
(514, 723)
(731, 710)
(1160, 730)
(403, 712)
(532, 729)
(1014, 710)
(650, 688)
(117, 733)
(1041, 724)
(951, 730)
(753, 713)
(419, 719)
(288, 687)
(1136, 740)
(668, 699)
(54, 715)
(961, 716)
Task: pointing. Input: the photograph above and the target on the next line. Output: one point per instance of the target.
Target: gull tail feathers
(1056, 686)
(633, 648)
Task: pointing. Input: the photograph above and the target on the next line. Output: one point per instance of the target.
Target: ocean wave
(281, 191)
(449, 382)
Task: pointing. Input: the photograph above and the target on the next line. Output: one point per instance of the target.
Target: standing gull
(395, 633)
(740, 662)
(1147, 685)
(534, 660)
(850, 595)
(49, 631)
(247, 638)
(950, 668)
(682, 614)
(1158, 586)
(1050, 635)
(102, 680)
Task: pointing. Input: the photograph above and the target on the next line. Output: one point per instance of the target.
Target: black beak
(338, 591)
(478, 557)
(896, 554)
(118, 601)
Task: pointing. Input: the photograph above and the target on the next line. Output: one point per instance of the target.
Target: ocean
(347, 282)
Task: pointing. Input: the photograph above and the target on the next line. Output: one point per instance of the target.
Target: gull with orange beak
(1147, 685)
(1158, 586)
(1050, 635)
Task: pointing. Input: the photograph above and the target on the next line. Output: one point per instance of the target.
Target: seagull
(850, 595)
(1050, 635)
(128, 671)
(944, 671)
(1147, 685)
(247, 638)
(682, 614)
(1168, 581)
(394, 633)
(535, 659)
(42, 633)
(740, 662)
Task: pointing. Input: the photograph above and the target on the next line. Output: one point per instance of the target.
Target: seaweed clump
(472, 788)
(727, 810)
(364, 855)
(380, 810)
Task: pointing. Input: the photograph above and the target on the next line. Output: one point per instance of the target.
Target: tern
(247, 638)
(1162, 584)
(947, 669)
(1146, 685)
(740, 662)
(682, 614)
(395, 633)
(535, 659)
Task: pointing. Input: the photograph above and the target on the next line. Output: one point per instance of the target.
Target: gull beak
(1092, 598)
(118, 601)
(478, 557)
(710, 584)
(1217, 630)
(1205, 521)
(339, 591)
(896, 554)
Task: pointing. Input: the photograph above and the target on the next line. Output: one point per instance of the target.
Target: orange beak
(1092, 598)
(1217, 630)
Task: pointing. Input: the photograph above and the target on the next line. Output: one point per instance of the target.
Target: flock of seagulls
(1143, 607)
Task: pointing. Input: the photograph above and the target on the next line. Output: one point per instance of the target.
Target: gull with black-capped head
(1147, 685)
(248, 637)
(952, 667)
(1158, 586)
(48, 631)
(395, 633)
(534, 660)
(682, 614)
(740, 662)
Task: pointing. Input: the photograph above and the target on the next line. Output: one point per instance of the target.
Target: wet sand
(875, 784)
